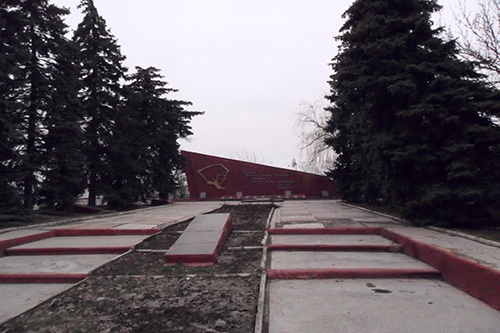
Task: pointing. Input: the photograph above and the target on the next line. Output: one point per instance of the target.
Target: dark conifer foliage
(42, 31)
(11, 56)
(144, 152)
(410, 121)
(66, 121)
(101, 69)
(63, 159)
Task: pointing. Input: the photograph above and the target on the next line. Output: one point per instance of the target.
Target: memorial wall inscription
(216, 177)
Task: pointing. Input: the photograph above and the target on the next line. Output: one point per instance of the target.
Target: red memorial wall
(214, 177)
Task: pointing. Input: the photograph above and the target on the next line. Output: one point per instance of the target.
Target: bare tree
(315, 155)
(248, 156)
(479, 34)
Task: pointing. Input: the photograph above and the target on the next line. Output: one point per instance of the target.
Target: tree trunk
(92, 189)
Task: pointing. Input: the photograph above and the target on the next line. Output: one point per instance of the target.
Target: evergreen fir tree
(12, 55)
(410, 121)
(42, 30)
(101, 70)
(144, 153)
(64, 163)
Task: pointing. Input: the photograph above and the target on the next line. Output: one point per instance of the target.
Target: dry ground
(135, 293)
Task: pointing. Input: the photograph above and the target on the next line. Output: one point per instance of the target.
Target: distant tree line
(72, 119)
(413, 124)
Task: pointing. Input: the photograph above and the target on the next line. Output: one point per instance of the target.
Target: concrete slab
(192, 249)
(373, 219)
(343, 260)
(18, 298)
(330, 239)
(483, 254)
(298, 218)
(136, 226)
(199, 237)
(97, 225)
(209, 222)
(301, 212)
(60, 264)
(339, 224)
(83, 242)
(201, 242)
(376, 306)
(20, 233)
(303, 225)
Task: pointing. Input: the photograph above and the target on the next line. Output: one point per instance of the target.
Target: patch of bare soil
(136, 293)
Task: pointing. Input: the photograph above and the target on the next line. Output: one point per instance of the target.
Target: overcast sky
(249, 64)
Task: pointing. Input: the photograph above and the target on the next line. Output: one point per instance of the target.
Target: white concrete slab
(372, 219)
(343, 260)
(18, 298)
(136, 226)
(20, 233)
(63, 264)
(298, 218)
(331, 239)
(303, 226)
(376, 306)
(84, 241)
(336, 224)
(98, 225)
(483, 254)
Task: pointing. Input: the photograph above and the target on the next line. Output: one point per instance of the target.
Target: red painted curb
(103, 232)
(335, 273)
(325, 231)
(5, 244)
(190, 259)
(41, 278)
(66, 251)
(333, 247)
(477, 280)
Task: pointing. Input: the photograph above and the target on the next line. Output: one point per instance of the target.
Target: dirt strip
(136, 293)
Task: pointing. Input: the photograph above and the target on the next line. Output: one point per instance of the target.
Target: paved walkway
(368, 282)
(68, 252)
(377, 274)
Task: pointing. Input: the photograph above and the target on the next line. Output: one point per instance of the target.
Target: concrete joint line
(446, 231)
(376, 213)
(151, 250)
(261, 301)
(244, 248)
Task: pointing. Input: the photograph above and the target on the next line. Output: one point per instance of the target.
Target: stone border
(466, 236)
(438, 229)
(467, 275)
(376, 213)
(261, 302)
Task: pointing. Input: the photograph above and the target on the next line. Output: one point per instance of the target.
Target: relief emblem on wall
(215, 175)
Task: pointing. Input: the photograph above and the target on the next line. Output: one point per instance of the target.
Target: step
(343, 260)
(41, 278)
(353, 273)
(325, 231)
(328, 242)
(77, 245)
(49, 268)
(18, 237)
